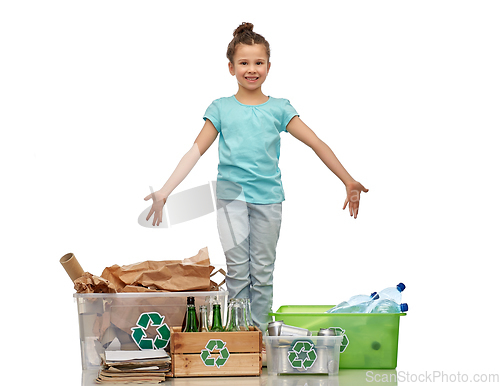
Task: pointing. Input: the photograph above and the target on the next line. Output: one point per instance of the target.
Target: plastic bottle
(357, 299)
(393, 293)
(354, 300)
(354, 309)
(217, 319)
(191, 325)
(387, 306)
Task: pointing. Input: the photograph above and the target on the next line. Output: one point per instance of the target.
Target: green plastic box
(371, 340)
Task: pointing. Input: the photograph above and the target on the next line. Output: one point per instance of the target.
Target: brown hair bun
(242, 28)
(244, 35)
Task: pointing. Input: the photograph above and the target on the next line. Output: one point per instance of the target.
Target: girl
(249, 189)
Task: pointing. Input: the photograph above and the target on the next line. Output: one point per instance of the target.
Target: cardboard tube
(72, 266)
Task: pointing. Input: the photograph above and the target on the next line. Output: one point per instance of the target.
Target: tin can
(326, 332)
(287, 330)
(283, 364)
(321, 364)
(274, 328)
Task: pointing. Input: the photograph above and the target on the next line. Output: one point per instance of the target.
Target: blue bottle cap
(404, 307)
(400, 287)
(374, 296)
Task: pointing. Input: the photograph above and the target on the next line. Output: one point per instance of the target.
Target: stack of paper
(149, 366)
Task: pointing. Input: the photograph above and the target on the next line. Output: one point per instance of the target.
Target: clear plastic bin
(132, 321)
(303, 355)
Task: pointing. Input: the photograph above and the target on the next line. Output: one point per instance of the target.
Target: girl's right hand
(159, 200)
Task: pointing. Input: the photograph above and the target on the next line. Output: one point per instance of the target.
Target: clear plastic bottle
(357, 299)
(392, 293)
(387, 306)
(353, 301)
(345, 303)
(354, 309)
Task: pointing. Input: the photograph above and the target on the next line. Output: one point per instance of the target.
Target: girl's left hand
(354, 190)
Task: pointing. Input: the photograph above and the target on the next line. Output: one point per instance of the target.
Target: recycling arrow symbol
(212, 346)
(145, 320)
(339, 331)
(302, 354)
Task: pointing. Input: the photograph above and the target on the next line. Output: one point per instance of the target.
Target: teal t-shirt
(249, 148)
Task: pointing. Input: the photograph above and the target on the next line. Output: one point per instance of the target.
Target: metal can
(321, 364)
(274, 328)
(287, 330)
(326, 332)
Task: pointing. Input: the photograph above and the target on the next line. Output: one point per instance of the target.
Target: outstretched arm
(304, 134)
(207, 136)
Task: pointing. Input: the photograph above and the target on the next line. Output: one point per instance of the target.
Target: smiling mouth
(251, 79)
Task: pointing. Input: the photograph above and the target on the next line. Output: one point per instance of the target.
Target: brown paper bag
(191, 274)
(88, 283)
(214, 286)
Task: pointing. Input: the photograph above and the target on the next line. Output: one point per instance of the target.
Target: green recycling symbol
(339, 331)
(302, 354)
(212, 345)
(139, 332)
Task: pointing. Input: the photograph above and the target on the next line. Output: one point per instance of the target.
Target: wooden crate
(202, 354)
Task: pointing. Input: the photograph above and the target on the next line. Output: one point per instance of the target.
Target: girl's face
(251, 66)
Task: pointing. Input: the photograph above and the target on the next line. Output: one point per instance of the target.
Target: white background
(100, 99)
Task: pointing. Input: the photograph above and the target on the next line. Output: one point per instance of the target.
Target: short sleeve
(213, 114)
(288, 113)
